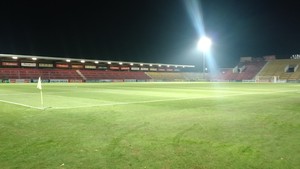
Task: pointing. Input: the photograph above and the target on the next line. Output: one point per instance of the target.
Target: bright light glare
(82, 61)
(33, 58)
(194, 10)
(14, 57)
(68, 60)
(204, 44)
(96, 62)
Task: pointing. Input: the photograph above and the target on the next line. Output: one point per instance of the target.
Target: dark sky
(149, 30)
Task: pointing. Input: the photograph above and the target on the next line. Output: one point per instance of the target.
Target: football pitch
(150, 125)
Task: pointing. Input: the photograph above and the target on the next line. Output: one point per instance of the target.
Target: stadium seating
(8, 73)
(31, 73)
(285, 69)
(100, 74)
(228, 75)
(249, 71)
(175, 76)
(295, 76)
(279, 68)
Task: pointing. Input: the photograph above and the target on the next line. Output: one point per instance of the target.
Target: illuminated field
(150, 125)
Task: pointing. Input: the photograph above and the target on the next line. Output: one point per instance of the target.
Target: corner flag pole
(39, 86)
(42, 100)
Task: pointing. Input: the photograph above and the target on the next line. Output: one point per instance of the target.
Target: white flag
(39, 85)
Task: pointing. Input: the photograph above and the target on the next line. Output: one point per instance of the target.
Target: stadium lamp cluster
(204, 44)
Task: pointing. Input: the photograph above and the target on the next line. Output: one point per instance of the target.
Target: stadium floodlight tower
(204, 45)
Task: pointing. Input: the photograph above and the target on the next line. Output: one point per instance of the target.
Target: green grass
(150, 125)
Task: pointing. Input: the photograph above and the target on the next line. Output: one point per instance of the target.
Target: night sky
(156, 31)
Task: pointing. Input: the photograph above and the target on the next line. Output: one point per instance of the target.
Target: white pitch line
(20, 94)
(19, 104)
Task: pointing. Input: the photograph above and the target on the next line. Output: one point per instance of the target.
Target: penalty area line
(20, 104)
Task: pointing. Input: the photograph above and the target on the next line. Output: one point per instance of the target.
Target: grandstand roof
(91, 60)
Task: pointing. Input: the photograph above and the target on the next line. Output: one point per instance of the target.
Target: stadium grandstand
(265, 69)
(26, 69)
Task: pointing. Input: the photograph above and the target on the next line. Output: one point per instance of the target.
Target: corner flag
(39, 85)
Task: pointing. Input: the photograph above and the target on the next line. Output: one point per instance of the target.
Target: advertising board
(90, 67)
(77, 66)
(124, 68)
(9, 63)
(144, 68)
(61, 65)
(114, 68)
(135, 68)
(45, 65)
(23, 64)
(59, 80)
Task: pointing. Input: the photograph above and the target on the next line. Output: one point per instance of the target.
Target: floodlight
(34, 58)
(150, 64)
(14, 57)
(141, 64)
(68, 60)
(204, 44)
(109, 63)
(131, 64)
(120, 63)
(159, 65)
(82, 61)
(96, 62)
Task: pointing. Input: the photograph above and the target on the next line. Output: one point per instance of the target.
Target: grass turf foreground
(150, 125)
